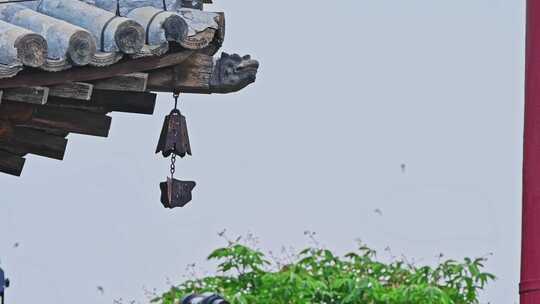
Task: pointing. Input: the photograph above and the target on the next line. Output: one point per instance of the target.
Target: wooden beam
(27, 140)
(109, 101)
(134, 82)
(13, 150)
(55, 132)
(33, 95)
(87, 73)
(11, 164)
(53, 118)
(75, 121)
(193, 75)
(73, 104)
(16, 112)
(74, 90)
(201, 74)
(129, 102)
(6, 129)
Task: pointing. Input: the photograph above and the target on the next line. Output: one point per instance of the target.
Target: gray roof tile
(66, 33)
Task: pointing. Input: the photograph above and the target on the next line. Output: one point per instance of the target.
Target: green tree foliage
(316, 275)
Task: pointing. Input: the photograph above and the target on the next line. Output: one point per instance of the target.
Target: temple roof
(66, 64)
(56, 35)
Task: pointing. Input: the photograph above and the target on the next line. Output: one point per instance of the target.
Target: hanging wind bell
(174, 135)
(174, 141)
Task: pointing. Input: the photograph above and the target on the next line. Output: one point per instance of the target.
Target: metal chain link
(173, 165)
(176, 95)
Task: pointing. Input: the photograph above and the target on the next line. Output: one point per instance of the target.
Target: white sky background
(348, 91)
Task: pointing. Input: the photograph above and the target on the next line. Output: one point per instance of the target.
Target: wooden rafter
(82, 74)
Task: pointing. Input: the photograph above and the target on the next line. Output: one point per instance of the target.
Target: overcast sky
(348, 91)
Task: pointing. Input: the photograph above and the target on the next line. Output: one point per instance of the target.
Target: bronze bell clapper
(174, 141)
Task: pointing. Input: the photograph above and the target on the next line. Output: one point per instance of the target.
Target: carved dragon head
(233, 73)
